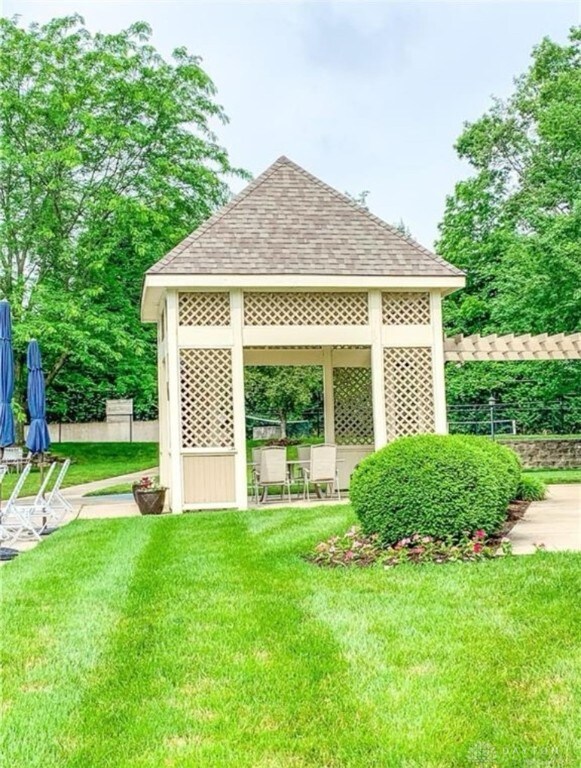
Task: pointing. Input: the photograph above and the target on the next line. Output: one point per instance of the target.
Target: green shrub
(445, 486)
(530, 488)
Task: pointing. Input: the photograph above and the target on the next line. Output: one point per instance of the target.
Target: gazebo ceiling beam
(342, 358)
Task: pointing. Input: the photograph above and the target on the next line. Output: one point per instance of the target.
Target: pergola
(292, 272)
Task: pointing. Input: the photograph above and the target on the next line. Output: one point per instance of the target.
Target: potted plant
(149, 496)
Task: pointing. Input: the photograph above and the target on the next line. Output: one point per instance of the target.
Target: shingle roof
(289, 222)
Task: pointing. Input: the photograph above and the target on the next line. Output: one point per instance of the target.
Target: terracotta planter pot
(149, 502)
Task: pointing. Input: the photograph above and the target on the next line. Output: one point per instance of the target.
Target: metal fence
(557, 417)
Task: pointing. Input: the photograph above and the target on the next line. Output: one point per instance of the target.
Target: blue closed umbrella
(38, 439)
(6, 376)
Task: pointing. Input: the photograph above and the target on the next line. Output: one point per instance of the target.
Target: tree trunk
(282, 424)
(19, 400)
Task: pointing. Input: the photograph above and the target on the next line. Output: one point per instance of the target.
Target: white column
(440, 416)
(377, 376)
(328, 395)
(174, 405)
(240, 475)
(163, 428)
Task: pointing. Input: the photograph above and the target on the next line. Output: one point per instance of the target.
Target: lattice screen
(406, 308)
(409, 395)
(305, 309)
(353, 406)
(207, 408)
(204, 308)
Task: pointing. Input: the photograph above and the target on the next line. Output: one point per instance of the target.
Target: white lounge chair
(273, 470)
(321, 469)
(44, 512)
(52, 508)
(14, 519)
(6, 553)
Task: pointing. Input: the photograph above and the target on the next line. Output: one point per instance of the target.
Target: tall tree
(283, 392)
(515, 224)
(108, 159)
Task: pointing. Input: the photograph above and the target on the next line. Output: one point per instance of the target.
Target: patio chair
(255, 470)
(54, 507)
(13, 521)
(322, 469)
(6, 553)
(273, 470)
(13, 457)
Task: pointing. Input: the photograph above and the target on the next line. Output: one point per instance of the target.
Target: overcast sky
(366, 95)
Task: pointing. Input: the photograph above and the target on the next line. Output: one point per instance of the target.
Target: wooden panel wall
(208, 479)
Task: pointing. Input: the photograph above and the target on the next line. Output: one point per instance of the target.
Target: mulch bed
(515, 512)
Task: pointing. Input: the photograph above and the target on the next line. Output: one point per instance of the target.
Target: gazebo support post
(240, 473)
(174, 403)
(329, 395)
(440, 414)
(377, 373)
(162, 392)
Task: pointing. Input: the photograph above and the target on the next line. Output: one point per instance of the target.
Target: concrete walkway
(554, 523)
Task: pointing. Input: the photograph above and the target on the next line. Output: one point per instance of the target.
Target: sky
(366, 95)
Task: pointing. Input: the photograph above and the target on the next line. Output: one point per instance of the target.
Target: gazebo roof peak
(288, 222)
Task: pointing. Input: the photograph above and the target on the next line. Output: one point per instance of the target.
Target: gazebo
(291, 272)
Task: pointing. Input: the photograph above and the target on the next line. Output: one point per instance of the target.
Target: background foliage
(515, 226)
(108, 159)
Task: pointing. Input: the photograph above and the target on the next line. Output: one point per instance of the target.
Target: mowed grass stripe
(55, 625)
(474, 638)
(231, 677)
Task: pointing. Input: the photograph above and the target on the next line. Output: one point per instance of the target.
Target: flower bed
(354, 548)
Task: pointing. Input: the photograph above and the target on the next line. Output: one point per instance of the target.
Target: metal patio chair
(273, 470)
(13, 520)
(321, 469)
(53, 507)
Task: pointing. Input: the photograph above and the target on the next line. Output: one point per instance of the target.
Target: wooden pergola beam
(559, 346)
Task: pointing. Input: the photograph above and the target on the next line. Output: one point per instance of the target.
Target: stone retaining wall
(547, 454)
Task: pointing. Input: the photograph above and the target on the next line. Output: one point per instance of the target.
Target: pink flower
(477, 547)
(349, 555)
(480, 534)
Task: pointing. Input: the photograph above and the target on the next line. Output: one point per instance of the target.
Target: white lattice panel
(264, 308)
(207, 408)
(353, 406)
(409, 395)
(406, 308)
(204, 308)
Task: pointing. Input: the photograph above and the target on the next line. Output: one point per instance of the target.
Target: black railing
(558, 417)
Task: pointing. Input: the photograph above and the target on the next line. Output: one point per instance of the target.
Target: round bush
(434, 485)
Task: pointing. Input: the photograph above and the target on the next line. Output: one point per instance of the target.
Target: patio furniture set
(316, 465)
(31, 518)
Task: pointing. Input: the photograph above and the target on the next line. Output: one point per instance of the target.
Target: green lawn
(93, 461)
(553, 476)
(206, 640)
(112, 490)
(502, 438)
